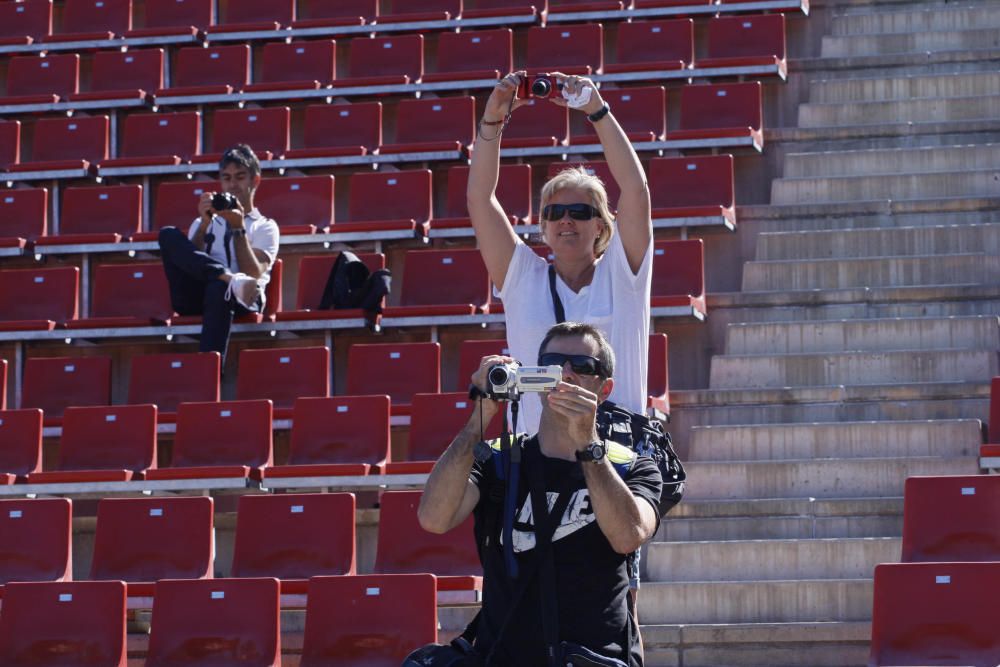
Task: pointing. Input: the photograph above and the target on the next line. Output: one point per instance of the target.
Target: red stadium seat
(570, 49)
(283, 375)
(336, 130)
(38, 298)
(471, 353)
(42, 80)
(679, 275)
(404, 547)
(127, 295)
(421, 10)
(53, 384)
(104, 444)
(24, 22)
(539, 123)
(24, 215)
(37, 542)
(381, 61)
(513, 192)
(218, 622)
(721, 111)
(993, 426)
(368, 620)
(564, 6)
(67, 144)
(951, 518)
(247, 15)
(80, 623)
(98, 215)
(314, 271)
(650, 4)
(266, 130)
(299, 205)
(176, 206)
(174, 17)
(338, 435)
(653, 45)
(10, 143)
(642, 113)
(3, 385)
(435, 124)
(141, 540)
(595, 168)
(742, 41)
(388, 201)
(512, 8)
(322, 13)
(397, 369)
(167, 380)
(21, 434)
(443, 283)
(153, 139)
(477, 54)
(297, 66)
(935, 614)
(658, 375)
(693, 187)
(124, 75)
(94, 20)
(216, 70)
(293, 537)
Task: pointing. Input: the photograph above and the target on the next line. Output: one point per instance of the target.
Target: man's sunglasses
(580, 363)
(554, 212)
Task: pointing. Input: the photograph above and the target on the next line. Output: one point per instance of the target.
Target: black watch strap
(600, 113)
(590, 455)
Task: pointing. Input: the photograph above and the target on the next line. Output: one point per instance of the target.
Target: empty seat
(368, 620)
(650, 4)
(38, 298)
(404, 547)
(266, 130)
(471, 353)
(434, 125)
(653, 45)
(104, 444)
(597, 168)
(249, 15)
(10, 143)
(443, 283)
(398, 200)
(679, 276)
(293, 537)
(21, 434)
(720, 112)
(513, 192)
(24, 216)
(156, 139)
(127, 295)
(642, 113)
(951, 518)
(174, 17)
(314, 271)
(397, 369)
(124, 75)
(683, 188)
(300, 205)
(53, 384)
(169, 379)
(24, 22)
(512, 8)
(98, 215)
(79, 623)
(564, 6)
(42, 79)
(337, 435)
(992, 448)
(3, 384)
(421, 10)
(70, 144)
(228, 439)
(742, 41)
(37, 539)
(476, 54)
(297, 66)
(94, 20)
(538, 123)
(337, 130)
(283, 375)
(141, 540)
(320, 13)
(570, 49)
(380, 61)
(176, 205)
(658, 374)
(216, 70)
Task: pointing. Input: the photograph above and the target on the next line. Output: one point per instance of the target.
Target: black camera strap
(226, 240)
(557, 304)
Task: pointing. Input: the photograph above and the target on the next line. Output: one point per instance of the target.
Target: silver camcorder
(506, 382)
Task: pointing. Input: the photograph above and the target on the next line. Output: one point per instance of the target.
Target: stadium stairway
(858, 351)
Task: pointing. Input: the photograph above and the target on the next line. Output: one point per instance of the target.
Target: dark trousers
(195, 289)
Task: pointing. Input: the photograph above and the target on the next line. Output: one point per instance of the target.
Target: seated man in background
(220, 268)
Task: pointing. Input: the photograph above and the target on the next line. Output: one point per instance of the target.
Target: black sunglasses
(580, 363)
(554, 212)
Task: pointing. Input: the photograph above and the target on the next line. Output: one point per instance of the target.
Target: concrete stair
(971, 183)
(922, 110)
(963, 84)
(909, 21)
(974, 39)
(898, 242)
(893, 161)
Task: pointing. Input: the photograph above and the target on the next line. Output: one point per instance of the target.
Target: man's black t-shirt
(592, 580)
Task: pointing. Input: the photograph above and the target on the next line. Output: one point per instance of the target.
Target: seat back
(435, 421)
(140, 69)
(10, 144)
(705, 180)
(21, 434)
(294, 536)
(438, 119)
(471, 353)
(476, 51)
(213, 66)
(218, 622)
(540, 119)
(161, 134)
(80, 623)
(386, 56)
(177, 202)
(283, 374)
(39, 294)
(55, 74)
(340, 429)
(77, 138)
(167, 380)
(256, 11)
(300, 61)
(338, 9)
(147, 539)
(513, 191)
(266, 129)
(396, 195)
(405, 547)
(656, 41)
(453, 7)
(342, 125)
(122, 437)
(640, 111)
(314, 271)
(223, 433)
(453, 276)
(747, 35)
(658, 375)
(720, 106)
(53, 384)
(94, 210)
(679, 268)
(994, 423)
(30, 18)
(560, 47)
(97, 16)
(951, 518)
(397, 369)
(178, 13)
(131, 290)
(297, 201)
(37, 538)
(368, 620)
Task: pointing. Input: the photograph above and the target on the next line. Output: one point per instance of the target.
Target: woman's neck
(576, 273)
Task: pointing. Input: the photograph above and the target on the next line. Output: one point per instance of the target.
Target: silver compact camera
(506, 382)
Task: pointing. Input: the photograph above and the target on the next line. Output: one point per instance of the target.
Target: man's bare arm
(625, 520)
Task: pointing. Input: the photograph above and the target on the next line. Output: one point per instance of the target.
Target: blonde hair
(579, 177)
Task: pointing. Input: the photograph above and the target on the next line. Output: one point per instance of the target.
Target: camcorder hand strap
(556, 301)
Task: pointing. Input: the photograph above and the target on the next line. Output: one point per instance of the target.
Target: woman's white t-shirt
(616, 301)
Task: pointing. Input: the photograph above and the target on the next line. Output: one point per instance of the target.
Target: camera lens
(541, 87)
(499, 375)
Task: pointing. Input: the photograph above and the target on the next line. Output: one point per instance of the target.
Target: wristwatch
(594, 452)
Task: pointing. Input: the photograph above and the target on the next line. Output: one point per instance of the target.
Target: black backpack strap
(556, 301)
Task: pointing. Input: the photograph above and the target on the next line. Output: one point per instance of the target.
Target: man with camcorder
(556, 515)
(220, 268)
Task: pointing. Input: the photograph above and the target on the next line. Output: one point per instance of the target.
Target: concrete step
(892, 161)
(821, 478)
(760, 442)
(913, 21)
(788, 274)
(959, 84)
(906, 333)
(844, 46)
(836, 368)
(878, 214)
(769, 560)
(756, 601)
(922, 110)
(971, 183)
(894, 242)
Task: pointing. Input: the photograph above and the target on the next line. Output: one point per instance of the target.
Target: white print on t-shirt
(579, 514)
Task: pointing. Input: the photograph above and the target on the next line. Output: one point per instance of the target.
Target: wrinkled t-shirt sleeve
(644, 482)
(265, 237)
(621, 268)
(518, 270)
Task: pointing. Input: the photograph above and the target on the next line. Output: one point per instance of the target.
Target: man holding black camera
(556, 516)
(220, 268)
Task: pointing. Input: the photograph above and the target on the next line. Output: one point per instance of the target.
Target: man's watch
(595, 452)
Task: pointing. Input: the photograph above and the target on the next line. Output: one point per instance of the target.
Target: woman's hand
(574, 84)
(499, 102)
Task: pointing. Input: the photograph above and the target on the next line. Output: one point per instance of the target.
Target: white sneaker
(244, 289)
